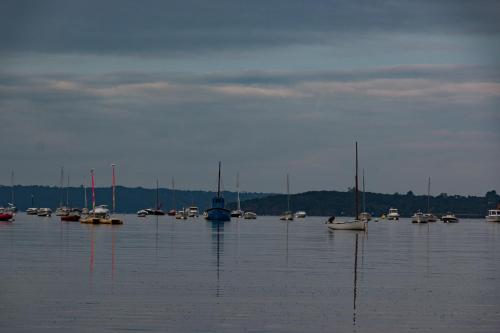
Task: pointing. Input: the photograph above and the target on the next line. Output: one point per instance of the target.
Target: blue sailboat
(218, 212)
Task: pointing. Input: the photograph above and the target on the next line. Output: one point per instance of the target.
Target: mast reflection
(218, 247)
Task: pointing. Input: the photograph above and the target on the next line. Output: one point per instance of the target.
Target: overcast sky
(168, 88)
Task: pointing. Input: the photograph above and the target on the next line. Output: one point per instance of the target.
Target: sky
(166, 89)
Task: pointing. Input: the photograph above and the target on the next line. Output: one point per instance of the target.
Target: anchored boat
(355, 224)
(218, 212)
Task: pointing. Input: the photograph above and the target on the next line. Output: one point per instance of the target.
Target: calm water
(259, 276)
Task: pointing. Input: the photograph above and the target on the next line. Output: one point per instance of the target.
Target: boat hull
(218, 214)
(250, 216)
(354, 225)
(6, 217)
(419, 218)
(70, 218)
(493, 218)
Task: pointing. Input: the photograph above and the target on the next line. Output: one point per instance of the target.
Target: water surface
(160, 274)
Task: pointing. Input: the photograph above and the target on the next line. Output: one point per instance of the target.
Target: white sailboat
(238, 212)
(356, 223)
(430, 217)
(288, 215)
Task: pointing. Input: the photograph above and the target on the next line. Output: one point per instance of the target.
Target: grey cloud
(84, 121)
(172, 27)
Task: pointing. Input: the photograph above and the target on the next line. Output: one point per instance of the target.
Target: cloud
(176, 27)
(249, 91)
(303, 122)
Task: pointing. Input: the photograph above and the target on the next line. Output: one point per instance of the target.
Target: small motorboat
(286, 216)
(181, 215)
(237, 213)
(449, 218)
(142, 213)
(249, 216)
(393, 214)
(31, 211)
(493, 215)
(192, 211)
(431, 217)
(62, 211)
(6, 215)
(44, 212)
(419, 217)
(300, 214)
(172, 212)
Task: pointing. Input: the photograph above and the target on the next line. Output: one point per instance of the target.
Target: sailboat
(109, 219)
(157, 210)
(356, 223)
(238, 212)
(173, 211)
(72, 215)
(288, 215)
(100, 214)
(218, 212)
(85, 210)
(430, 217)
(11, 206)
(95, 215)
(62, 210)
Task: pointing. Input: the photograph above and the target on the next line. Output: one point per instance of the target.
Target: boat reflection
(92, 253)
(217, 229)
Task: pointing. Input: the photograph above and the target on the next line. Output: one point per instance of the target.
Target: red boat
(6, 216)
(172, 212)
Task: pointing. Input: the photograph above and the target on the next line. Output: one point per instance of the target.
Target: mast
(356, 181)
(61, 188)
(93, 190)
(238, 189)
(67, 192)
(287, 193)
(429, 195)
(114, 186)
(157, 195)
(364, 195)
(173, 193)
(218, 183)
(12, 188)
(32, 200)
(85, 191)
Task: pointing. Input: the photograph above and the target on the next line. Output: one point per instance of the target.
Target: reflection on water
(165, 275)
(217, 229)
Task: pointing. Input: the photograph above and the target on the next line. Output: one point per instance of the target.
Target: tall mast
(429, 195)
(85, 191)
(218, 183)
(287, 193)
(157, 195)
(364, 195)
(173, 193)
(67, 192)
(114, 186)
(93, 190)
(356, 181)
(61, 187)
(12, 188)
(238, 188)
